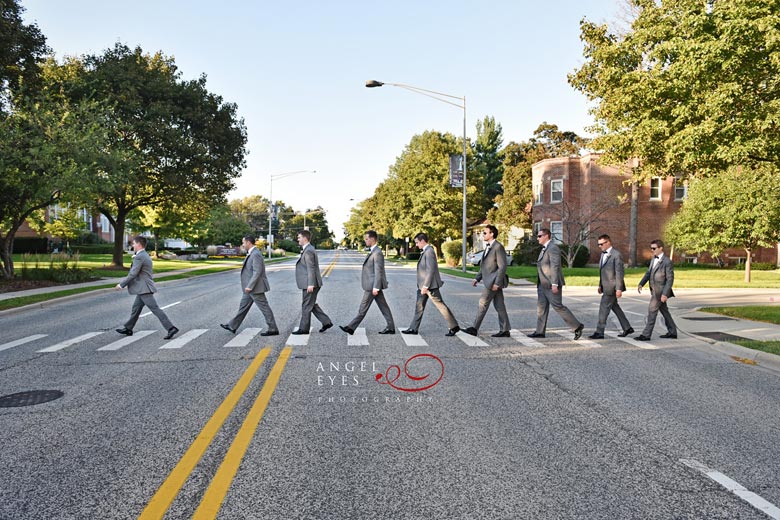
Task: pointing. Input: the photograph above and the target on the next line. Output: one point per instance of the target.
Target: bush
(289, 245)
(414, 255)
(278, 252)
(31, 245)
(580, 259)
(211, 250)
(94, 249)
(758, 266)
(526, 252)
(452, 250)
(62, 268)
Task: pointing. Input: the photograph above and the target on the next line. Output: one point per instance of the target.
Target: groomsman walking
(309, 280)
(374, 282)
(660, 274)
(549, 287)
(611, 287)
(139, 282)
(428, 283)
(254, 285)
(492, 274)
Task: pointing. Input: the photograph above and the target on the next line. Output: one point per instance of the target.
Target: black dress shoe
(387, 330)
(578, 332)
(125, 331)
(270, 333)
(299, 332)
(471, 330)
(326, 327)
(535, 335)
(502, 334)
(171, 333)
(642, 337)
(669, 336)
(596, 335)
(453, 331)
(409, 331)
(227, 327)
(626, 332)
(348, 330)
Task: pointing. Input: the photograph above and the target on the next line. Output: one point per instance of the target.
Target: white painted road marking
(298, 339)
(735, 487)
(471, 341)
(243, 339)
(22, 341)
(581, 341)
(127, 340)
(641, 344)
(169, 305)
(69, 342)
(525, 340)
(413, 340)
(184, 339)
(358, 339)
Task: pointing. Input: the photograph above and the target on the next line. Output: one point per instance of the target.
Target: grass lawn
(771, 347)
(766, 313)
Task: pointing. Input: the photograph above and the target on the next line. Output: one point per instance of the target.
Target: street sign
(456, 171)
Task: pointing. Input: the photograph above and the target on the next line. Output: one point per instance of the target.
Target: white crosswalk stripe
(632, 341)
(183, 339)
(298, 339)
(165, 307)
(116, 345)
(583, 342)
(69, 342)
(471, 341)
(22, 341)
(243, 339)
(413, 340)
(525, 340)
(358, 339)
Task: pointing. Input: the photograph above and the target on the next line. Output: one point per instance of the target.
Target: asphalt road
(283, 430)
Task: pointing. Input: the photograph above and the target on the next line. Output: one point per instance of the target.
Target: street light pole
(271, 203)
(438, 96)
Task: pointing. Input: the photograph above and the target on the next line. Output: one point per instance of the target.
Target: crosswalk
(246, 337)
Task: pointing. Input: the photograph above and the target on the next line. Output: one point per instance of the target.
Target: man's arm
(257, 270)
(669, 272)
(135, 268)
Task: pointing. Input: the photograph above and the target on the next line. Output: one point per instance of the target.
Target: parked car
(474, 258)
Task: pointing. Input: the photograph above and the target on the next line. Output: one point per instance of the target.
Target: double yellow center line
(215, 494)
(331, 265)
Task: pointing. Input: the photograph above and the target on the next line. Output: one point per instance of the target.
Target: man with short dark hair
(139, 282)
(660, 274)
(374, 282)
(254, 285)
(492, 274)
(428, 283)
(549, 287)
(309, 280)
(611, 287)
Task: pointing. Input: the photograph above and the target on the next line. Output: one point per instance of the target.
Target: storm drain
(719, 336)
(708, 318)
(29, 398)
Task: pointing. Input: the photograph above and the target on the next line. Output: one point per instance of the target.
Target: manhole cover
(29, 398)
(709, 318)
(719, 336)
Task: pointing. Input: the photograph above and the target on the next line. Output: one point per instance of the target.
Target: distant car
(342, 248)
(474, 258)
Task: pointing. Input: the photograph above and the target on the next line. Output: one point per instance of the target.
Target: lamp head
(373, 83)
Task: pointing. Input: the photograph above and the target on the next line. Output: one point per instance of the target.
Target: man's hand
(618, 293)
(639, 289)
(663, 298)
(310, 289)
(375, 292)
(474, 283)
(424, 290)
(118, 287)
(600, 291)
(248, 290)
(555, 289)
(495, 288)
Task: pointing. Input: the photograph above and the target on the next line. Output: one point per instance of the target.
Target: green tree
(67, 224)
(691, 88)
(220, 227)
(740, 208)
(254, 211)
(488, 160)
(170, 220)
(22, 46)
(171, 141)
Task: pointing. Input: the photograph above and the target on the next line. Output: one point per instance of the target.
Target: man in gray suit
(139, 282)
(309, 280)
(549, 287)
(428, 283)
(254, 285)
(492, 274)
(373, 281)
(611, 287)
(660, 274)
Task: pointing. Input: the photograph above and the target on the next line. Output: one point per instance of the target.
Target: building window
(655, 188)
(680, 190)
(556, 229)
(556, 190)
(538, 193)
(537, 228)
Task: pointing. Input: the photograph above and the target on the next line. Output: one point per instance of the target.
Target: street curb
(96, 292)
(760, 358)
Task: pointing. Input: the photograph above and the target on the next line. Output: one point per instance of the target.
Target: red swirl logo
(393, 373)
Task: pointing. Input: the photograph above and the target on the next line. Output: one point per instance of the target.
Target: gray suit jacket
(139, 278)
(661, 277)
(611, 273)
(307, 269)
(253, 273)
(548, 267)
(373, 274)
(492, 267)
(428, 269)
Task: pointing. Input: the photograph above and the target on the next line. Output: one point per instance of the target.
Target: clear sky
(297, 71)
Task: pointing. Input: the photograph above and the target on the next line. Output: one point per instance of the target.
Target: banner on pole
(456, 171)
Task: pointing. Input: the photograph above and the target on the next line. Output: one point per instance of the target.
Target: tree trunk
(6, 255)
(119, 240)
(632, 251)
(747, 266)
(156, 246)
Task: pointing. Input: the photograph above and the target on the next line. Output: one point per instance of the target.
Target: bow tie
(604, 252)
(655, 257)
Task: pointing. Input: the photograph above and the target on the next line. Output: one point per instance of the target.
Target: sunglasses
(652, 248)
(601, 243)
(540, 236)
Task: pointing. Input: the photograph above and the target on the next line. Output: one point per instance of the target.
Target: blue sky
(297, 71)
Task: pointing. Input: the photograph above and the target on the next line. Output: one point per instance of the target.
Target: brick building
(576, 194)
